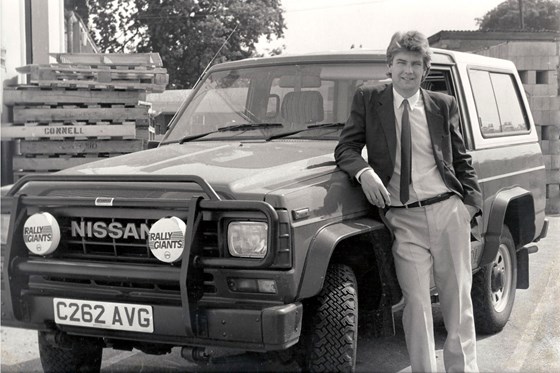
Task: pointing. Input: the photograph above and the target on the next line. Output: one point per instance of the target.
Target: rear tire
(331, 337)
(493, 289)
(77, 356)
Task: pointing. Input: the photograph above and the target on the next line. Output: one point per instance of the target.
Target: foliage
(186, 33)
(538, 15)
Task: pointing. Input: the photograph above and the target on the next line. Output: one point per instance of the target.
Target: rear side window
(500, 112)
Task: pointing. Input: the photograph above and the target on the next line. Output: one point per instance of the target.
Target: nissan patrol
(238, 233)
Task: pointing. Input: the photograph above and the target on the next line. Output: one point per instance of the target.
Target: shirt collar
(398, 99)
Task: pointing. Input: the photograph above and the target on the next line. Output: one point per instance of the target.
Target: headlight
(248, 239)
(4, 227)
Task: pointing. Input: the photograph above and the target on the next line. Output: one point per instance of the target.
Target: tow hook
(65, 341)
(195, 354)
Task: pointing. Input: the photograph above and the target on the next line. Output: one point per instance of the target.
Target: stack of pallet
(80, 109)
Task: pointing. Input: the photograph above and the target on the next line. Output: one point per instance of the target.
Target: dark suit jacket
(372, 123)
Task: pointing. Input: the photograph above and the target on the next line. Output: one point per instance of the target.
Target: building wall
(56, 27)
(47, 18)
(465, 45)
(12, 19)
(538, 63)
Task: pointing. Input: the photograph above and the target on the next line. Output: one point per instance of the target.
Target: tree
(186, 33)
(538, 15)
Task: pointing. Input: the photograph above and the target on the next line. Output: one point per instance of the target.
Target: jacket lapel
(386, 113)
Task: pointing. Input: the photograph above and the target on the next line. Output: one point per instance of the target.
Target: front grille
(165, 289)
(120, 240)
(105, 238)
(98, 240)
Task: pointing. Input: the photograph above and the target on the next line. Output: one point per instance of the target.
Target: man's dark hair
(410, 41)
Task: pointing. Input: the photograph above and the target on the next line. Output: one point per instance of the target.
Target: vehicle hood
(233, 169)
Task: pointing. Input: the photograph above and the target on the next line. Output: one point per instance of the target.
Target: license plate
(105, 315)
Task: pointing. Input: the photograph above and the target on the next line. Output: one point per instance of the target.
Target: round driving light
(41, 233)
(167, 239)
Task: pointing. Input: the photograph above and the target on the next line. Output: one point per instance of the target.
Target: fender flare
(322, 247)
(523, 228)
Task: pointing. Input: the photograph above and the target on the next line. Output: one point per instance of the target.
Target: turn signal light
(252, 285)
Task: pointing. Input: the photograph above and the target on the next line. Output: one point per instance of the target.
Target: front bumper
(266, 329)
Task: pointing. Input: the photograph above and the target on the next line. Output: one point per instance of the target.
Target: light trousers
(435, 237)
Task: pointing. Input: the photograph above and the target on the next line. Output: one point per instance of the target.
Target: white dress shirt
(426, 180)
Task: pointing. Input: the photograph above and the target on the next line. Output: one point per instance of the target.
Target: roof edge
(511, 35)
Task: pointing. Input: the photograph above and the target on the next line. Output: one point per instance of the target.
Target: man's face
(406, 71)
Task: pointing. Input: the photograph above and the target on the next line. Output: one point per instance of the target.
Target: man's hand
(373, 188)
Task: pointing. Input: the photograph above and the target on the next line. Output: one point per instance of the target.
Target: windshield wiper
(309, 128)
(235, 127)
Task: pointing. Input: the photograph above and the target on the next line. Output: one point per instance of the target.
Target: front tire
(331, 340)
(493, 289)
(76, 356)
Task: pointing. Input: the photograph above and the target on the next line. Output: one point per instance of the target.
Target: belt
(426, 202)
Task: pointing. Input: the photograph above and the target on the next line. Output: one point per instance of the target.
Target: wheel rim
(500, 282)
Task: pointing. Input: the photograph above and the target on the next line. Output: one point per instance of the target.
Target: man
(426, 184)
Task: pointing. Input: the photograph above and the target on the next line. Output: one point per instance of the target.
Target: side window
(440, 79)
(498, 105)
(509, 105)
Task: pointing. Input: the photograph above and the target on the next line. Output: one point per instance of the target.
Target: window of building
(542, 77)
(498, 104)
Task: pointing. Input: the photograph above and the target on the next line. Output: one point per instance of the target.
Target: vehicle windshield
(293, 97)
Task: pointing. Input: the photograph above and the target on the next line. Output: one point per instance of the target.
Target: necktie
(406, 154)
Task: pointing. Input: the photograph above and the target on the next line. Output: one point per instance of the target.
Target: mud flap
(383, 320)
(523, 266)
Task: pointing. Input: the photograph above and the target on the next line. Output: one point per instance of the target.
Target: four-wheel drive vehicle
(239, 233)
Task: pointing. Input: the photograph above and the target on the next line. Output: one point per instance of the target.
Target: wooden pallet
(101, 74)
(32, 94)
(51, 164)
(73, 113)
(116, 77)
(44, 156)
(74, 147)
(53, 130)
(77, 84)
(136, 59)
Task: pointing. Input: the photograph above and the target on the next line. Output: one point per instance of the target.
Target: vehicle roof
(439, 57)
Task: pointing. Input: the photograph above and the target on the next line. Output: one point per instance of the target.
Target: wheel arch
(335, 242)
(515, 208)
